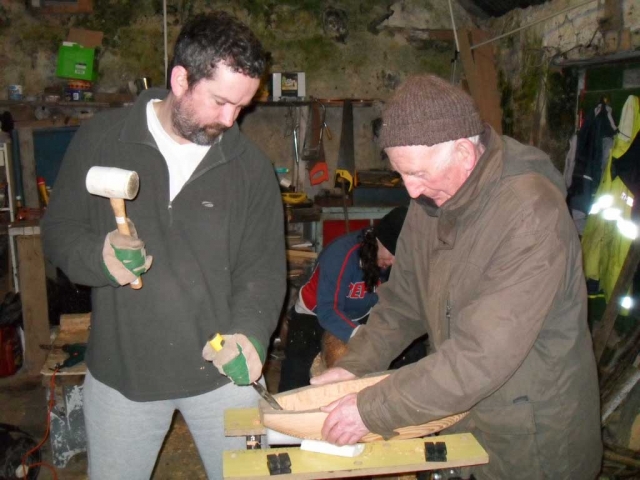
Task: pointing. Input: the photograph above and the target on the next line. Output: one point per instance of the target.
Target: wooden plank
(28, 163)
(33, 294)
(603, 329)
(481, 75)
(612, 20)
(48, 123)
(74, 328)
(80, 6)
(240, 422)
(75, 322)
(301, 255)
(378, 458)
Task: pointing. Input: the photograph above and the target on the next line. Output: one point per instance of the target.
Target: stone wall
(358, 49)
(538, 96)
(353, 48)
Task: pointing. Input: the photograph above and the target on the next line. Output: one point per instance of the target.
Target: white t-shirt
(181, 160)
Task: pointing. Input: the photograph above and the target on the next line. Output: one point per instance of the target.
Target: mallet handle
(120, 212)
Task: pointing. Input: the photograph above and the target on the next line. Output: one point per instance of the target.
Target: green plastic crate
(75, 61)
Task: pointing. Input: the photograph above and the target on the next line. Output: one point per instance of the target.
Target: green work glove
(124, 257)
(238, 357)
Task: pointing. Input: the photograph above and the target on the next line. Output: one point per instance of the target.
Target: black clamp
(435, 451)
(278, 463)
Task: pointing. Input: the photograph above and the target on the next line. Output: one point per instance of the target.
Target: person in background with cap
(337, 298)
(489, 265)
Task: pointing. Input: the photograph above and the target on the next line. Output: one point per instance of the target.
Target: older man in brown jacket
(489, 265)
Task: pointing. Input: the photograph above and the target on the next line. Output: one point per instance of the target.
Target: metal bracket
(435, 451)
(253, 442)
(279, 463)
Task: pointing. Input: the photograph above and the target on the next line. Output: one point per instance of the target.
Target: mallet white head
(112, 182)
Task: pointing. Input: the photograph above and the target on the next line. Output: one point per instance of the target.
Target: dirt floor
(23, 403)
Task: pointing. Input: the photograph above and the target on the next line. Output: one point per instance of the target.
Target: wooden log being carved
(301, 416)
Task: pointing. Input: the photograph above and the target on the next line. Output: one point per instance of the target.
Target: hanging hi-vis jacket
(609, 230)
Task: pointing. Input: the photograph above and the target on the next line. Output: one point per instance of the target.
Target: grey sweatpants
(124, 437)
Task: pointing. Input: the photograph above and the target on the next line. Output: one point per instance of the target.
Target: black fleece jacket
(218, 249)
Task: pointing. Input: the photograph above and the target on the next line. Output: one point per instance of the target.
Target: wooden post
(620, 390)
(28, 164)
(480, 72)
(602, 333)
(33, 294)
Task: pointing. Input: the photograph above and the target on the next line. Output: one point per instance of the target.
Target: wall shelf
(327, 102)
(61, 103)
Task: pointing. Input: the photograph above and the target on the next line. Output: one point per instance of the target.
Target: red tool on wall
(313, 150)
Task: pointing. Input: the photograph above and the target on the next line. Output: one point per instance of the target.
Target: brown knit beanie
(427, 110)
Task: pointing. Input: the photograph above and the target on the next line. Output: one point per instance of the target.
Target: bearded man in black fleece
(210, 212)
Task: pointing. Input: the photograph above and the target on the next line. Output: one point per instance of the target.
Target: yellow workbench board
(240, 422)
(378, 458)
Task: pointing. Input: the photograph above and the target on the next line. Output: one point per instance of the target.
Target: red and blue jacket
(336, 291)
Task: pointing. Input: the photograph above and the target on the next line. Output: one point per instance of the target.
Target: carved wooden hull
(301, 416)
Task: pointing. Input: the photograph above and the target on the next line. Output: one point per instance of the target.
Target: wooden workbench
(378, 458)
(67, 432)
(74, 328)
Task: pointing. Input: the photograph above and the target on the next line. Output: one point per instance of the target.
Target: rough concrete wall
(350, 49)
(538, 98)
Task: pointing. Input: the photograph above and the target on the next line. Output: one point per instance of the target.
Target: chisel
(217, 342)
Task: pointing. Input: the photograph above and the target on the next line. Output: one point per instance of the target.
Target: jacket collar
(486, 173)
(135, 126)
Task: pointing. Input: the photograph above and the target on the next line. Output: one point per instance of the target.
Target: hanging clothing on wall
(627, 167)
(595, 139)
(605, 243)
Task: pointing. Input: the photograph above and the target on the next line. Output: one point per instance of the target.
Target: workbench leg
(67, 433)
(254, 442)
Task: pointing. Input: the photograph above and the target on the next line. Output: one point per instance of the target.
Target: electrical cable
(455, 37)
(573, 7)
(51, 403)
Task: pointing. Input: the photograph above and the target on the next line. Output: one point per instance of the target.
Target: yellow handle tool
(293, 198)
(217, 342)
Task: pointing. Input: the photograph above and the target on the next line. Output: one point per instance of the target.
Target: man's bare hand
(332, 375)
(344, 425)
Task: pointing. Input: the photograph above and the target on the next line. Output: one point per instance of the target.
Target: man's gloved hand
(124, 257)
(240, 358)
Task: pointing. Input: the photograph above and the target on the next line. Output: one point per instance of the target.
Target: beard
(182, 120)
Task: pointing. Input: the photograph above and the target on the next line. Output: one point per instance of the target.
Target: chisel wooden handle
(117, 204)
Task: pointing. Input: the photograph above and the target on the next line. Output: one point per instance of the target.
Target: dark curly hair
(209, 39)
(369, 259)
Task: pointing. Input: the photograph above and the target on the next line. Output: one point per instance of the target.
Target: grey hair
(480, 148)
(475, 140)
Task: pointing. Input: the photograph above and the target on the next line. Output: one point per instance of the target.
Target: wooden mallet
(117, 185)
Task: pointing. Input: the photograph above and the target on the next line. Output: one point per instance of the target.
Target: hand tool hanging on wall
(313, 150)
(293, 129)
(117, 185)
(346, 167)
